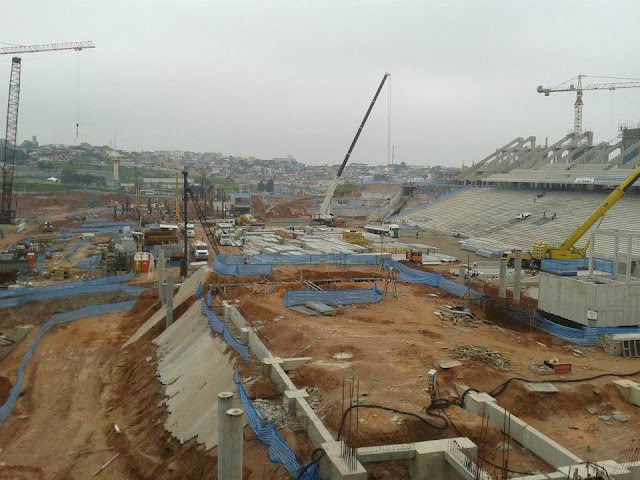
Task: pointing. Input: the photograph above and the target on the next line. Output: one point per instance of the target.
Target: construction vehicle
(200, 250)
(7, 213)
(324, 216)
(567, 249)
(47, 227)
(414, 256)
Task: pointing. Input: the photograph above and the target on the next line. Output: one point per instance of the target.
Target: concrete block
(334, 468)
(430, 461)
(387, 453)
(589, 471)
(540, 387)
(527, 436)
(629, 389)
(289, 400)
(316, 431)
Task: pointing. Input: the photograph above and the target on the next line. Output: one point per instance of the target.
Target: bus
(391, 230)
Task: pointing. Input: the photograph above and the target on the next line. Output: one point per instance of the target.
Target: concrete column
(502, 289)
(517, 264)
(168, 293)
(592, 253)
(161, 295)
(230, 444)
(462, 270)
(629, 247)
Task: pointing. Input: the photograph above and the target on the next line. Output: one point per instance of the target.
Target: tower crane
(578, 87)
(7, 214)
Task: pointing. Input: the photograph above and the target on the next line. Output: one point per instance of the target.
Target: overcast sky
(276, 78)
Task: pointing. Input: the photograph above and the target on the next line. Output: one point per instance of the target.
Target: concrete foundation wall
(617, 304)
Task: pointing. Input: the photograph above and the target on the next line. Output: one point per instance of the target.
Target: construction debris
(458, 315)
(482, 354)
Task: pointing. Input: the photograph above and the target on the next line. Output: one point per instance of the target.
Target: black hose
(437, 405)
(502, 387)
(316, 456)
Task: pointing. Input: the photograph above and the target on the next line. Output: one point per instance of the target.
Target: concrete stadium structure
(571, 161)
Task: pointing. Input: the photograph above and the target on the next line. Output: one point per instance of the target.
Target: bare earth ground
(79, 385)
(394, 343)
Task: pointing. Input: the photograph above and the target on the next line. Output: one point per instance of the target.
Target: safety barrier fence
(411, 275)
(36, 291)
(580, 336)
(88, 290)
(333, 297)
(262, 264)
(57, 319)
(279, 451)
(571, 267)
(219, 327)
(75, 247)
(89, 262)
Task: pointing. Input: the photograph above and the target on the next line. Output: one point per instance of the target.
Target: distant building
(240, 203)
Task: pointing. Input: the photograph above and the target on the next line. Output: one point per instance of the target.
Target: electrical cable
(316, 456)
(502, 387)
(439, 405)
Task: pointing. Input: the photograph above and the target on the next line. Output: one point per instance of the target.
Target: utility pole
(185, 262)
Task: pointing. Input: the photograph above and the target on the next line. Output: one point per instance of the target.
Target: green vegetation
(29, 185)
(345, 189)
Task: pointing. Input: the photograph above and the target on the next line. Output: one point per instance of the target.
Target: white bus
(392, 230)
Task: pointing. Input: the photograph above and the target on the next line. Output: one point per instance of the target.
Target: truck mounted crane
(567, 249)
(324, 216)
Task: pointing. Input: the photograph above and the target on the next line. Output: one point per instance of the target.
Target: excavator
(567, 250)
(324, 216)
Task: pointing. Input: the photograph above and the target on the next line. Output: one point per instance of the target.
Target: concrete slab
(540, 387)
(186, 290)
(629, 389)
(194, 369)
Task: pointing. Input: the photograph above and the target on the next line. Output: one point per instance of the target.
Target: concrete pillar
(629, 246)
(502, 289)
(168, 293)
(592, 247)
(462, 270)
(161, 292)
(230, 440)
(517, 264)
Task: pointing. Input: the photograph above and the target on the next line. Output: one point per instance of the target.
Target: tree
(261, 186)
(270, 185)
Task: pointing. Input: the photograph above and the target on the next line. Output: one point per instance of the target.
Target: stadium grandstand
(523, 194)
(572, 160)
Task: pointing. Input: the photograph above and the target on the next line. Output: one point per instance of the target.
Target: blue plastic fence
(333, 297)
(219, 327)
(411, 275)
(580, 336)
(571, 267)
(89, 262)
(57, 319)
(279, 451)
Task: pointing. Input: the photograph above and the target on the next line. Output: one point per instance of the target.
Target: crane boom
(48, 47)
(325, 209)
(599, 212)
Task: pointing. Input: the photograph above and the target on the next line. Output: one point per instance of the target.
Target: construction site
(486, 328)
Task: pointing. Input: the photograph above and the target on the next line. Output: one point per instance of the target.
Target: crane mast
(579, 88)
(7, 213)
(324, 215)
